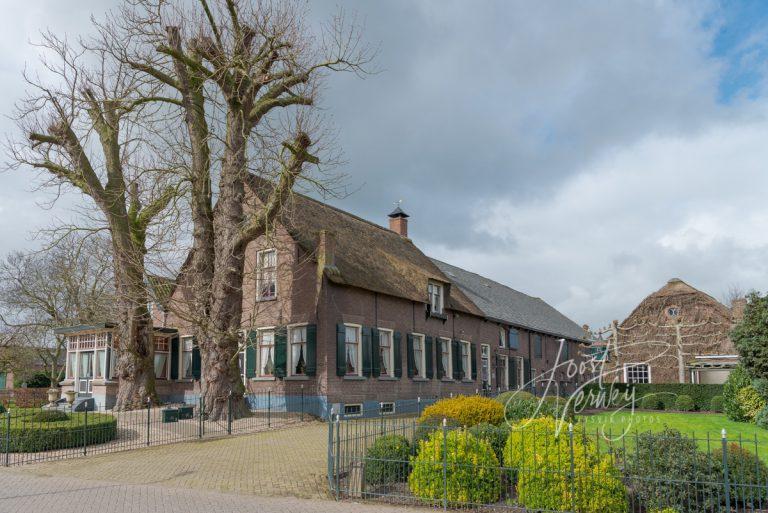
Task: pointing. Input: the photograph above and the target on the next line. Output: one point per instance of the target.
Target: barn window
(637, 373)
(673, 311)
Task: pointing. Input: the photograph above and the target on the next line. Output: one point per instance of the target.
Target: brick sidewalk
(23, 492)
(289, 462)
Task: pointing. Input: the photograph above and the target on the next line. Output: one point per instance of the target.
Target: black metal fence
(571, 469)
(29, 435)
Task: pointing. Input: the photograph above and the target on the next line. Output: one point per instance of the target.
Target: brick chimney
(398, 222)
(737, 309)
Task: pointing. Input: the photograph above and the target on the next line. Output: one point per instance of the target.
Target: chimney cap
(398, 212)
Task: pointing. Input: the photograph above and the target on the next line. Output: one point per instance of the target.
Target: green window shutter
(365, 335)
(250, 354)
(538, 348)
(281, 351)
(439, 358)
(456, 359)
(341, 363)
(396, 337)
(375, 353)
(512, 374)
(196, 364)
(409, 355)
(175, 357)
(497, 370)
(2, 380)
(527, 373)
(310, 368)
(428, 357)
(473, 355)
(566, 351)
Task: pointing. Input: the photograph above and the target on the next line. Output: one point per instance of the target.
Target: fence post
(302, 402)
(85, 432)
(269, 407)
(337, 460)
(445, 464)
(571, 472)
(381, 417)
(329, 455)
(8, 437)
(149, 414)
(229, 413)
(418, 405)
(726, 478)
(200, 417)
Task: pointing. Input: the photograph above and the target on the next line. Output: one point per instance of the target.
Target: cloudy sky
(584, 152)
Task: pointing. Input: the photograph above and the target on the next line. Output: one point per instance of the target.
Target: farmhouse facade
(353, 317)
(678, 334)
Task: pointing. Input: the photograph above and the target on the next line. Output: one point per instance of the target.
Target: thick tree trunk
(221, 378)
(135, 340)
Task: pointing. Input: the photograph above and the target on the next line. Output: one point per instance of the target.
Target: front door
(85, 376)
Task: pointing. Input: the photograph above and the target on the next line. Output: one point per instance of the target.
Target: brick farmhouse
(350, 315)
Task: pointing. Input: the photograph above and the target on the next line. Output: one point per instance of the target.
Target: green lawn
(699, 425)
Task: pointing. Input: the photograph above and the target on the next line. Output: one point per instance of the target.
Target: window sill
(441, 316)
(263, 378)
(297, 378)
(266, 299)
(354, 378)
(416, 378)
(447, 380)
(388, 378)
(467, 381)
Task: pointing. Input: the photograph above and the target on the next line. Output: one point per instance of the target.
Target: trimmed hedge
(717, 404)
(31, 435)
(684, 403)
(667, 393)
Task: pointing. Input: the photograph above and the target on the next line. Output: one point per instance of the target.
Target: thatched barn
(678, 334)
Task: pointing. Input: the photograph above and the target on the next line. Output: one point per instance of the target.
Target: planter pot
(170, 415)
(186, 412)
(70, 394)
(53, 395)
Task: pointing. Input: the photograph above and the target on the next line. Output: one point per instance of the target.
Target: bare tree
(247, 76)
(94, 126)
(67, 284)
(734, 292)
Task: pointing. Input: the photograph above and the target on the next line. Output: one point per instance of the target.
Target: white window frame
(289, 349)
(359, 329)
(182, 340)
(259, 336)
(626, 372)
(391, 333)
(447, 373)
(520, 372)
(167, 358)
(436, 295)
(505, 376)
(485, 362)
(359, 414)
(259, 275)
(387, 407)
(421, 366)
(466, 360)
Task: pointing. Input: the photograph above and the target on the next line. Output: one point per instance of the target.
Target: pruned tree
(247, 77)
(69, 283)
(94, 126)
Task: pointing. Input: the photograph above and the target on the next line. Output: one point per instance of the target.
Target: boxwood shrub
(540, 455)
(747, 473)
(684, 403)
(762, 418)
(651, 402)
(386, 461)
(473, 472)
(717, 404)
(466, 410)
(30, 434)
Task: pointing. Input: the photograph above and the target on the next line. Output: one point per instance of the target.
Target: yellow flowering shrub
(472, 471)
(540, 459)
(465, 410)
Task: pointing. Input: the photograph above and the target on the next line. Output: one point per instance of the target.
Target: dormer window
(266, 274)
(435, 293)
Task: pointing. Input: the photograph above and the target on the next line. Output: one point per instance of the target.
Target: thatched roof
(694, 306)
(367, 255)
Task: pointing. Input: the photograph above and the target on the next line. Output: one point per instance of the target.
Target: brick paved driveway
(23, 492)
(288, 462)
